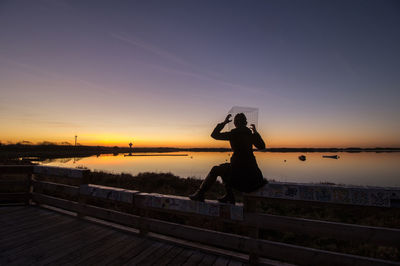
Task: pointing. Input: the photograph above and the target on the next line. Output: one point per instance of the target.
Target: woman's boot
(204, 187)
(229, 197)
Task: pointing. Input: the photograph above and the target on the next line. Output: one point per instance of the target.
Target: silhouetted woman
(242, 173)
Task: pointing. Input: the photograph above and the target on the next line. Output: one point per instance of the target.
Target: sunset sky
(163, 73)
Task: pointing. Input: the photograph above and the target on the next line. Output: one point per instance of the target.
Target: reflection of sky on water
(380, 169)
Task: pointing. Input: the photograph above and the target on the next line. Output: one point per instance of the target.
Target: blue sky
(163, 73)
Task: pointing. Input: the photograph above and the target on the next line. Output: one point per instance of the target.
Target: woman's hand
(253, 128)
(227, 119)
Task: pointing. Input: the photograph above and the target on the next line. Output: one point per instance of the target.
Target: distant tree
(46, 143)
(66, 143)
(25, 142)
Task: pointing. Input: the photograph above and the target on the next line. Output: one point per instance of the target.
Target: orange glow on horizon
(203, 140)
(212, 144)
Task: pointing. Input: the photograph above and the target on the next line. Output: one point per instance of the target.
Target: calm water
(375, 169)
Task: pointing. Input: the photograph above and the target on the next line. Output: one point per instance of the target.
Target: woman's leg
(229, 197)
(219, 170)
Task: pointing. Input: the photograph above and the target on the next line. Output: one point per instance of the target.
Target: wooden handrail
(342, 231)
(16, 169)
(276, 250)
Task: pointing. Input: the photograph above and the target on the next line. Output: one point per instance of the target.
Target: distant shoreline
(13, 151)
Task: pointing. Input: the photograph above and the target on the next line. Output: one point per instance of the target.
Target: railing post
(81, 198)
(143, 227)
(29, 190)
(250, 206)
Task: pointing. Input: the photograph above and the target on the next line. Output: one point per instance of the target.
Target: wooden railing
(15, 183)
(199, 222)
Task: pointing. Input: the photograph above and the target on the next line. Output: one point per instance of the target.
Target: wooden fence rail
(75, 199)
(15, 184)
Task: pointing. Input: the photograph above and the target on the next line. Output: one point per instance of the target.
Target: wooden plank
(80, 241)
(60, 171)
(50, 242)
(182, 257)
(131, 252)
(21, 184)
(329, 194)
(10, 215)
(28, 246)
(17, 196)
(13, 204)
(32, 223)
(39, 186)
(221, 261)
(41, 226)
(111, 215)
(128, 242)
(145, 253)
(206, 248)
(124, 253)
(12, 209)
(56, 202)
(155, 257)
(178, 205)
(309, 256)
(16, 169)
(103, 251)
(224, 240)
(195, 258)
(72, 257)
(113, 194)
(233, 262)
(208, 260)
(175, 251)
(351, 232)
(16, 241)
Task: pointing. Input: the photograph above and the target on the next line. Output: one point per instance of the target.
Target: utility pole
(76, 138)
(130, 149)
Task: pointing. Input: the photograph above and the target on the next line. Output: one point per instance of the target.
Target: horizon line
(188, 148)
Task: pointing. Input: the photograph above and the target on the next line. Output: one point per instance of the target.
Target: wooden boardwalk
(38, 236)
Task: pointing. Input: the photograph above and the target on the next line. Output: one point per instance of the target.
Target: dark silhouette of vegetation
(65, 149)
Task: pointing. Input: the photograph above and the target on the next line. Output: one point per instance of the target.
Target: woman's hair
(240, 120)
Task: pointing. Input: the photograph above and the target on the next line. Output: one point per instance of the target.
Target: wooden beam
(16, 169)
(350, 232)
(60, 171)
(14, 183)
(332, 194)
(310, 256)
(72, 191)
(13, 196)
(263, 248)
(111, 215)
(56, 202)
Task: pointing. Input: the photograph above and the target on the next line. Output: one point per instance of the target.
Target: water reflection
(372, 169)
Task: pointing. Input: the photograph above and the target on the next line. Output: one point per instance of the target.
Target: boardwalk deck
(37, 236)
